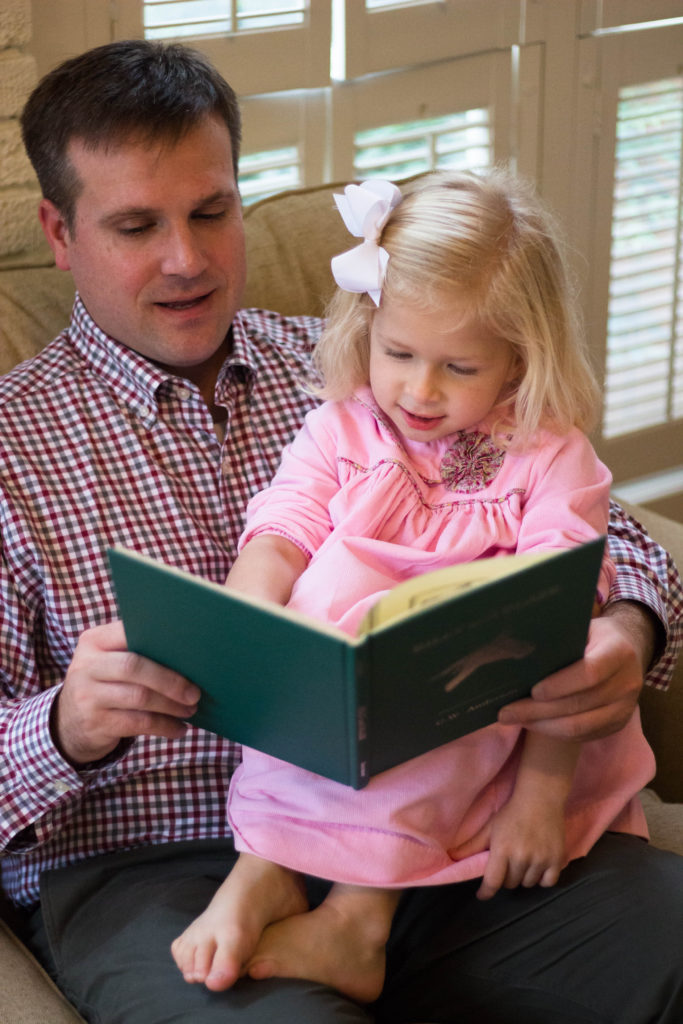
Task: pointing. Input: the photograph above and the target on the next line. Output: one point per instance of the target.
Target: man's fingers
(592, 698)
(102, 654)
(148, 684)
(110, 693)
(565, 722)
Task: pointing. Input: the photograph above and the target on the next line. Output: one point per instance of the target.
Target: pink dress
(371, 510)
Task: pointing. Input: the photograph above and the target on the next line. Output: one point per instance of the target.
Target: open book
(437, 657)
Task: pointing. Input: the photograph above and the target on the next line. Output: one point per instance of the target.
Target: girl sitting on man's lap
(458, 392)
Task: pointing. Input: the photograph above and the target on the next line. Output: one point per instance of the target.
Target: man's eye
(134, 229)
(210, 215)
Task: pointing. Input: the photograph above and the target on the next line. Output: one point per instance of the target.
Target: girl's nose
(423, 384)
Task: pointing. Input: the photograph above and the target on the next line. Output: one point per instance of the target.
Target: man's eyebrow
(124, 212)
(219, 196)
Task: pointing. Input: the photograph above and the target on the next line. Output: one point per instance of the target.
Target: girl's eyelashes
(463, 371)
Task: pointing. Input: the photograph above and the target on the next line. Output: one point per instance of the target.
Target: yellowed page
(432, 587)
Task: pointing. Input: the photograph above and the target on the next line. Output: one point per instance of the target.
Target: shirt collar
(241, 364)
(135, 378)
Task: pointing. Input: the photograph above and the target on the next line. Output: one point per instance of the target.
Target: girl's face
(431, 378)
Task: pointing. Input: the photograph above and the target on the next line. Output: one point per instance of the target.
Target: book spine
(359, 722)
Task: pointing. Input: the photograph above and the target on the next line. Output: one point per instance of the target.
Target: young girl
(457, 395)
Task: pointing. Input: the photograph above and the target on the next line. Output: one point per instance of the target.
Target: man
(149, 422)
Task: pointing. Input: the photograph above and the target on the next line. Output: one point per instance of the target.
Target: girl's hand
(527, 847)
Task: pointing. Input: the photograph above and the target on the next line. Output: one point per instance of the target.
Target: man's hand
(596, 696)
(109, 693)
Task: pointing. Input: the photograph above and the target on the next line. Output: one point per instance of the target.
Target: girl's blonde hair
(485, 245)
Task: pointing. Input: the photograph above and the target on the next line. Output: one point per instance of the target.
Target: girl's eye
(463, 371)
(393, 354)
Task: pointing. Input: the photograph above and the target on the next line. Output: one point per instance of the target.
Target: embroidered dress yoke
(371, 509)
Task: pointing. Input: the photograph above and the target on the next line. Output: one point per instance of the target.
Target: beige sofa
(290, 240)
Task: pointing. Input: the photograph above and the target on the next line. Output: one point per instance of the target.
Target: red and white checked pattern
(98, 446)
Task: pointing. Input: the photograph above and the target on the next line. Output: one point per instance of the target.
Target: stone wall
(21, 240)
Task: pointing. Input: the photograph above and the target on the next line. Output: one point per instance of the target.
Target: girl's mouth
(420, 422)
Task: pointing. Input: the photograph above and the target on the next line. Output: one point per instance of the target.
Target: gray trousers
(604, 945)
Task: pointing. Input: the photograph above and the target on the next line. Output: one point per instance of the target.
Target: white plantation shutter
(644, 365)
(455, 114)
(270, 171)
(164, 19)
(261, 46)
(381, 36)
(168, 19)
(581, 96)
(462, 141)
(629, 230)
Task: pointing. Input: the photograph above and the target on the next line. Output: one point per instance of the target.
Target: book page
(412, 595)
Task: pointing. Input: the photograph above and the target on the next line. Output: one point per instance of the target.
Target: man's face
(157, 245)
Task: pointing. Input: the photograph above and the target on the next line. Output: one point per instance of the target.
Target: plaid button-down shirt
(98, 446)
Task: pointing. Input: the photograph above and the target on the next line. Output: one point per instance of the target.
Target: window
(461, 140)
(263, 174)
(644, 370)
(166, 19)
(584, 96)
(628, 226)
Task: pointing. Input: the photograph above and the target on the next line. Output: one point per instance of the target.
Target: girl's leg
(216, 947)
(341, 943)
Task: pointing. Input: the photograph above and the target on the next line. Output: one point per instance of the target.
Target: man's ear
(56, 231)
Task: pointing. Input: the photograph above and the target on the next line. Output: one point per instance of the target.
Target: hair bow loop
(365, 209)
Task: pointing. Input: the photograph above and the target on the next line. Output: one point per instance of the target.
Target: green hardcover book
(435, 659)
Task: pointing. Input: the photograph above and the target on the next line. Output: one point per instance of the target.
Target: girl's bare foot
(341, 943)
(216, 947)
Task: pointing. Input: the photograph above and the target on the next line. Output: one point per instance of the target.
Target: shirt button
(183, 393)
(61, 787)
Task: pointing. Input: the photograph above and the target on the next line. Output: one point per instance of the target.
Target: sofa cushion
(664, 820)
(662, 712)
(35, 305)
(291, 239)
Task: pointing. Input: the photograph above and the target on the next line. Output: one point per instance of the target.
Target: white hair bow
(365, 209)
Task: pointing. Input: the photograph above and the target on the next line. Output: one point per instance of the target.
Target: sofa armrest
(663, 712)
(29, 996)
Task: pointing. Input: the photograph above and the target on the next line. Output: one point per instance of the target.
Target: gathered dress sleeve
(296, 504)
(567, 500)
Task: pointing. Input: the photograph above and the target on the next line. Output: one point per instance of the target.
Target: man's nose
(183, 255)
